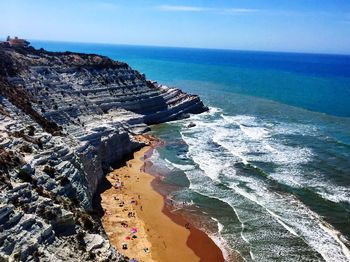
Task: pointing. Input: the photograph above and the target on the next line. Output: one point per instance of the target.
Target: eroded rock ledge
(65, 118)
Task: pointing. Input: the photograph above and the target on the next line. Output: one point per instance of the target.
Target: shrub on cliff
(86, 221)
(64, 181)
(8, 160)
(31, 130)
(24, 176)
(49, 171)
(80, 239)
(26, 149)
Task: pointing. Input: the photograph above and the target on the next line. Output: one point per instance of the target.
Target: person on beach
(131, 214)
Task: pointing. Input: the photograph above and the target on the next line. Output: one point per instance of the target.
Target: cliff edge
(65, 119)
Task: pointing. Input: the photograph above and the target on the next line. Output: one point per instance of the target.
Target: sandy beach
(139, 225)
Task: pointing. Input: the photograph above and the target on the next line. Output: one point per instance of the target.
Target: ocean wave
(217, 144)
(262, 145)
(179, 166)
(220, 241)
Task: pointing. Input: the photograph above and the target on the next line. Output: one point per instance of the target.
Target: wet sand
(160, 234)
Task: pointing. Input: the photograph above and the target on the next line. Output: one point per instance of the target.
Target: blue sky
(276, 25)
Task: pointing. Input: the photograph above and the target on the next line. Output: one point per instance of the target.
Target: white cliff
(65, 119)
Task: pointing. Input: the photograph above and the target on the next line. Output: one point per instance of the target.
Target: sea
(266, 171)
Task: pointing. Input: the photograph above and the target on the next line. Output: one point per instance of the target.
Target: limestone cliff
(65, 119)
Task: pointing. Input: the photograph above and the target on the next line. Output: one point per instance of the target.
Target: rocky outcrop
(65, 119)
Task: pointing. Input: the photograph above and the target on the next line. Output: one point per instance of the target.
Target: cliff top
(14, 58)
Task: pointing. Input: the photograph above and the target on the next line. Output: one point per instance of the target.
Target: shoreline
(153, 232)
(202, 245)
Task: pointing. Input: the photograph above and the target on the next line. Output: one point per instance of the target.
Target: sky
(317, 26)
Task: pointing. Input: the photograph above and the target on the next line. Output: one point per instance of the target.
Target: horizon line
(193, 47)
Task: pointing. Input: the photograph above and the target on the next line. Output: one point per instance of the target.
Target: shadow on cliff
(105, 185)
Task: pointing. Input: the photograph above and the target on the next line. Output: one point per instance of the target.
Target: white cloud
(226, 11)
(239, 10)
(182, 8)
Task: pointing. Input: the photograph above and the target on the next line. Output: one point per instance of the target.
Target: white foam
(335, 234)
(254, 132)
(246, 141)
(214, 110)
(335, 193)
(221, 243)
(301, 222)
(279, 220)
(202, 157)
(181, 167)
(219, 225)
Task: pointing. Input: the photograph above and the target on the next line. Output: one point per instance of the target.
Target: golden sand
(165, 240)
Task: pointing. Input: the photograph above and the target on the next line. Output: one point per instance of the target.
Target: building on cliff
(17, 42)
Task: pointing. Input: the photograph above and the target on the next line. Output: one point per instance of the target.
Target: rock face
(65, 119)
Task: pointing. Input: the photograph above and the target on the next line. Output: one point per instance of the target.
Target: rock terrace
(65, 119)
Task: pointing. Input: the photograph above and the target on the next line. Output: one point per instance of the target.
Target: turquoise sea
(266, 172)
